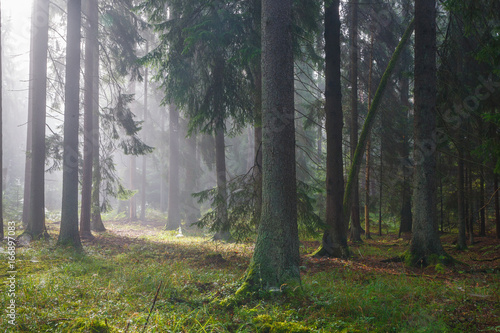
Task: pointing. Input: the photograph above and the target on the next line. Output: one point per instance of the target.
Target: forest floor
(135, 277)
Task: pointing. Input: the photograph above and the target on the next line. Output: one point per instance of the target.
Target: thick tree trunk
(334, 242)
(353, 78)
(275, 261)
(257, 172)
(174, 215)
(36, 214)
(461, 244)
(96, 221)
(88, 99)
(221, 200)
(69, 213)
(406, 214)
(257, 142)
(425, 240)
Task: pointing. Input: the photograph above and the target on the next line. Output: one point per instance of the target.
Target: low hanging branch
(370, 120)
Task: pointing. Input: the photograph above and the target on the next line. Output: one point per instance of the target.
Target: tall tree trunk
(334, 242)
(466, 199)
(367, 126)
(482, 206)
(162, 165)
(497, 205)
(257, 172)
(221, 200)
(368, 148)
(380, 188)
(470, 200)
(367, 192)
(29, 149)
(36, 214)
(461, 244)
(276, 259)
(353, 78)
(69, 213)
(257, 113)
(174, 217)
(406, 214)
(1, 135)
(192, 166)
(96, 221)
(88, 100)
(144, 157)
(132, 203)
(425, 240)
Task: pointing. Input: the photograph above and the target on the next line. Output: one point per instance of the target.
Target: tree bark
(482, 208)
(257, 142)
(497, 205)
(36, 214)
(334, 242)
(29, 149)
(353, 78)
(406, 214)
(380, 187)
(144, 157)
(275, 261)
(162, 165)
(1, 136)
(88, 100)
(69, 213)
(368, 148)
(221, 201)
(174, 217)
(96, 221)
(425, 240)
(132, 203)
(470, 196)
(192, 166)
(369, 121)
(367, 192)
(462, 243)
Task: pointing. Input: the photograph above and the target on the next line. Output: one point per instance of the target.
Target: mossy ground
(111, 287)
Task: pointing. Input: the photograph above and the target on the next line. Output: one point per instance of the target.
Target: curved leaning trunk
(370, 120)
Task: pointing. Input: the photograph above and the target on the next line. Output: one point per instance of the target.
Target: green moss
(265, 323)
(423, 261)
(93, 326)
